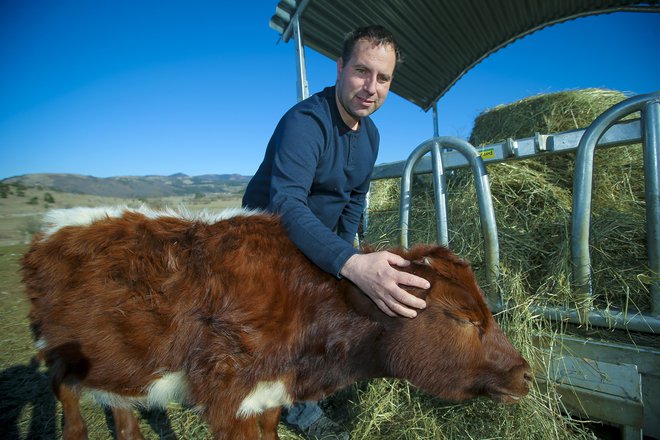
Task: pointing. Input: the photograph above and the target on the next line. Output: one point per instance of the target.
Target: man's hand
(374, 274)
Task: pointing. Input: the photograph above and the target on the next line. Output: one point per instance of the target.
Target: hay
(533, 202)
(548, 113)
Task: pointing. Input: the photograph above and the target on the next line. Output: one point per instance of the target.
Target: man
(316, 173)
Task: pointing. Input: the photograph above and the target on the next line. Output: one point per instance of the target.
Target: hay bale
(533, 201)
(547, 113)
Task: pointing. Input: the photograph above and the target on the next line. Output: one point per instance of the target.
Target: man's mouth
(365, 101)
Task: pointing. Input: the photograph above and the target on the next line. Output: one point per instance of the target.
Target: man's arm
(299, 144)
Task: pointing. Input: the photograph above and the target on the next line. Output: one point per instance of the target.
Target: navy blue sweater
(315, 175)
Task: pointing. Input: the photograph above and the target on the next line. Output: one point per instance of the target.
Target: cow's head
(454, 349)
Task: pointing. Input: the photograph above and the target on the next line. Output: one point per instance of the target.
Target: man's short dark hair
(375, 34)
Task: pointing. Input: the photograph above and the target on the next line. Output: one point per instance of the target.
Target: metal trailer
(613, 382)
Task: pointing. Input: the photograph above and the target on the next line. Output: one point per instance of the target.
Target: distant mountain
(134, 186)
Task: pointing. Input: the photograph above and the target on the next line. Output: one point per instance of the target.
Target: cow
(222, 312)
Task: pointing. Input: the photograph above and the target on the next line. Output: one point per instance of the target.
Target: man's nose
(370, 85)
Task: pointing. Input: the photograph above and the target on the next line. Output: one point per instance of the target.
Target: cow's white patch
(81, 216)
(264, 396)
(171, 387)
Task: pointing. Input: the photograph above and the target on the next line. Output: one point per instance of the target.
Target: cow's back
(135, 296)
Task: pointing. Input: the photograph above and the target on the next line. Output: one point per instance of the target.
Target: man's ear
(340, 66)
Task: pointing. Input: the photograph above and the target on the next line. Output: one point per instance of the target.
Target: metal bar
(646, 358)
(651, 126)
(482, 186)
(582, 186)
(302, 88)
(622, 133)
(365, 212)
(439, 187)
(286, 35)
(440, 194)
(601, 318)
(432, 146)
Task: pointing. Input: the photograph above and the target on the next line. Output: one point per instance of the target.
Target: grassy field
(22, 208)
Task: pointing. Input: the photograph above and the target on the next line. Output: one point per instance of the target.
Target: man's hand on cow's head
(379, 280)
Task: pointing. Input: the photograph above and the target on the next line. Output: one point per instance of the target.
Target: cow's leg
(68, 366)
(261, 427)
(74, 426)
(126, 424)
(236, 429)
(268, 422)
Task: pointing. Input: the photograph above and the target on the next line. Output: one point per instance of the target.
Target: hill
(134, 186)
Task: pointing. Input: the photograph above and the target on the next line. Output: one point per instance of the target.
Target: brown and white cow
(224, 313)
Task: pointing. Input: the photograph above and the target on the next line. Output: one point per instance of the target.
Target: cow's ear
(425, 261)
(424, 268)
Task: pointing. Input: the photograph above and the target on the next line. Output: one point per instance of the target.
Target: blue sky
(142, 87)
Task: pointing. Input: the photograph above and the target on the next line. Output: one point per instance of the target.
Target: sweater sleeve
(299, 145)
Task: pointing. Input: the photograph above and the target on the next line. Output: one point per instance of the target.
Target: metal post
(582, 186)
(301, 72)
(439, 185)
(440, 195)
(651, 146)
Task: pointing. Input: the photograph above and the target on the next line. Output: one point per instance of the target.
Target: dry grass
(19, 218)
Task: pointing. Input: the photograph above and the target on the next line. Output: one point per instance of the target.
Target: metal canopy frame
(441, 40)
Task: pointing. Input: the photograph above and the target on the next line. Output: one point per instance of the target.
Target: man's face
(365, 79)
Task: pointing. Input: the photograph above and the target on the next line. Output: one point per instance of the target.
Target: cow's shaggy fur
(224, 312)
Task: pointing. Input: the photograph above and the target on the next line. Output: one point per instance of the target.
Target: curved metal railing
(482, 186)
(649, 105)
